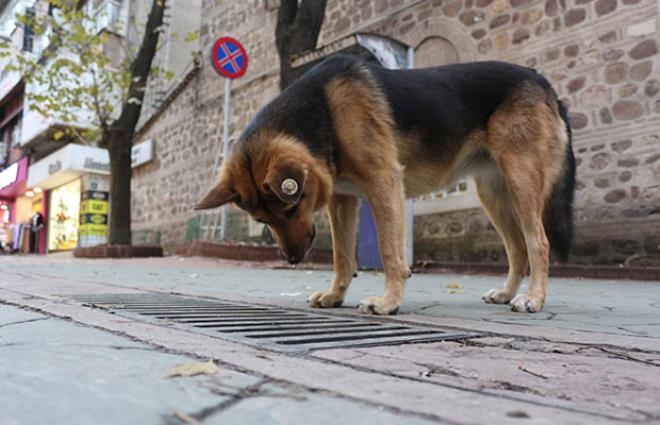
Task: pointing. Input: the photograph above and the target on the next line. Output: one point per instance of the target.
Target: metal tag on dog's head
(289, 187)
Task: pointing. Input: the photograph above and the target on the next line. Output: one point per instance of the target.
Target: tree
(80, 75)
(297, 31)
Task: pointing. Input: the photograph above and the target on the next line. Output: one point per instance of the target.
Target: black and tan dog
(349, 129)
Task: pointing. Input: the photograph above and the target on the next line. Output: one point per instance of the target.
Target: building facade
(51, 183)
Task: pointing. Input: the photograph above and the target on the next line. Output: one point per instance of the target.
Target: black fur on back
(439, 106)
(558, 214)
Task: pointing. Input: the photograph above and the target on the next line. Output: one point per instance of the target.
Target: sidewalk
(592, 356)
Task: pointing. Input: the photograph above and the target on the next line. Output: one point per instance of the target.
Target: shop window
(64, 217)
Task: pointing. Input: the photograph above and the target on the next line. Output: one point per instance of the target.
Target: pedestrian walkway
(592, 356)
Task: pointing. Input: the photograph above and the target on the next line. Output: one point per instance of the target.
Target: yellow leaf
(58, 135)
(192, 369)
(453, 286)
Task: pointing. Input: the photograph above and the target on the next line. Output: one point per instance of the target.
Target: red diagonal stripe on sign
(230, 58)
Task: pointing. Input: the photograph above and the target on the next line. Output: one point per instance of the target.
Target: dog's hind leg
(343, 213)
(525, 139)
(496, 200)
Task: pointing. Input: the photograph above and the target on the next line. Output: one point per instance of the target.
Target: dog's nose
(294, 259)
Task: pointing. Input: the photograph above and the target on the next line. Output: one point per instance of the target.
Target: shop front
(77, 179)
(22, 211)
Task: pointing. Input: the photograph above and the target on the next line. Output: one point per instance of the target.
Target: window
(108, 16)
(28, 34)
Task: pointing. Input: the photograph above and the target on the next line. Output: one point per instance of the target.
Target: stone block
(479, 34)
(605, 116)
(640, 71)
(628, 90)
(574, 17)
(641, 29)
(571, 51)
(498, 21)
(627, 110)
(471, 17)
(621, 145)
(576, 84)
(603, 7)
(520, 35)
(625, 176)
(652, 87)
(615, 196)
(616, 72)
(645, 49)
(578, 120)
(600, 161)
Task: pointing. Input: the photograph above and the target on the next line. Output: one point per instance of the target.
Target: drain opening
(266, 327)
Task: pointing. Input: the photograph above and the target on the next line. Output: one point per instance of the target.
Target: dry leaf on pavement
(192, 369)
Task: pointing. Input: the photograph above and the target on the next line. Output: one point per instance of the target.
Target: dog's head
(279, 183)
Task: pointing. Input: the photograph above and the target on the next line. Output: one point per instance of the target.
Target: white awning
(67, 164)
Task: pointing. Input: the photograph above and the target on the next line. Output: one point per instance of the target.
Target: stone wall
(600, 55)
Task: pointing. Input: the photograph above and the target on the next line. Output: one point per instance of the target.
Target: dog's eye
(258, 220)
(290, 213)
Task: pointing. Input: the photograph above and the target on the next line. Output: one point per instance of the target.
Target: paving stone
(289, 407)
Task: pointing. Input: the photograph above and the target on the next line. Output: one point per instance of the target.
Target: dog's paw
(497, 296)
(325, 299)
(522, 304)
(378, 305)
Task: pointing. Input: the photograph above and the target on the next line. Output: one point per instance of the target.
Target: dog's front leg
(343, 212)
(386, 195)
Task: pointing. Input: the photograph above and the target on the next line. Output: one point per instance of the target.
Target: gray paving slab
(592, 356)
(609, 306)
(298, 407)
(57, 372)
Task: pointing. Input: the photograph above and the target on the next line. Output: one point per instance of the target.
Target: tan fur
(367, 151)
(524, 140)
(515, 162)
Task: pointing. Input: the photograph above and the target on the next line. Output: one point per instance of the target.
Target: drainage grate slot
(359, 336)
(327, 331)
(258, 320)
(287, 326)
(266, 327)
(192, 315)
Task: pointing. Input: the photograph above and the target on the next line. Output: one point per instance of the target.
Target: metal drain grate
(268, 327)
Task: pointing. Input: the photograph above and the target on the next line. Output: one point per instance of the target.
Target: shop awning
(67, 164)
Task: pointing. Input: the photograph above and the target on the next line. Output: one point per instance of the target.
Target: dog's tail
(558, 214)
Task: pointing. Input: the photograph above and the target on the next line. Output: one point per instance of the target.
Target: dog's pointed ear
(221, 194)
(287, 181)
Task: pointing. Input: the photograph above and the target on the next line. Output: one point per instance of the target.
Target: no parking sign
(229, 58)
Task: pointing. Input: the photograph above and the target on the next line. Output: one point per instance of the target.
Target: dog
(348, 129)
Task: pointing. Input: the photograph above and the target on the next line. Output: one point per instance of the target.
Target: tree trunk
(119, 137)
(297, 31)
(120, 190)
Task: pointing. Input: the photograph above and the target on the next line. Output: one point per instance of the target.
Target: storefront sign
(54, 167)
(94, 218)
(66, 164)
(9, 175)
(142, 153)
(13, 178)
(91, 164)
(94, 210)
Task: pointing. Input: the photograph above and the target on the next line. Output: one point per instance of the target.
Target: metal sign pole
(225, 152)
(229, 58)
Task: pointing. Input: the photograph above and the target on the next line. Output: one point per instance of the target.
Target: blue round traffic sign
(229, 58)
